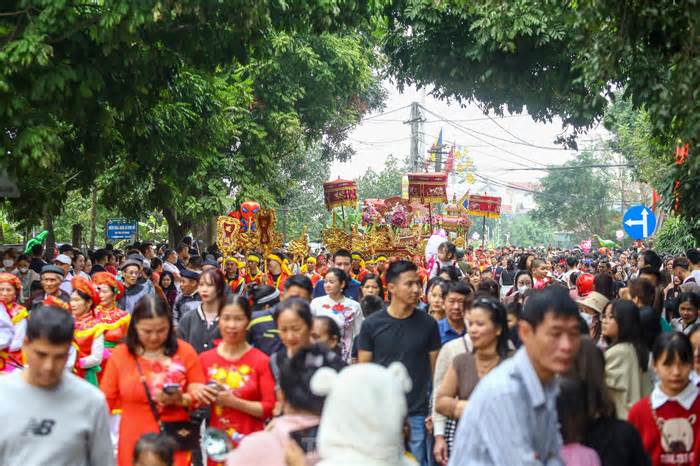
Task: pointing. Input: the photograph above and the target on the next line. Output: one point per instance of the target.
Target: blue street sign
(121, 229)
(639, 222)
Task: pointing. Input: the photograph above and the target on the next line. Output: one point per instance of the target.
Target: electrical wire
(575, 167)
(561, 198)
(469, 131)
(467, 120)
(510, 141)
(385, 113)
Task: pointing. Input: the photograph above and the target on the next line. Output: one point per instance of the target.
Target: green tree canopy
(384, 183)
(577, 200)
(175, 106)
(564, 59)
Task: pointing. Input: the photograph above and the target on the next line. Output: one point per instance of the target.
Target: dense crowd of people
(504, 356)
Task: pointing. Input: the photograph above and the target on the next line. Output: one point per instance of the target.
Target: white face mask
(587, 317)
(8, 262)
(23, 269)
(523, 289)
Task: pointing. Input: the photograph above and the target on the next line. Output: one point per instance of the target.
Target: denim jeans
(417, 443)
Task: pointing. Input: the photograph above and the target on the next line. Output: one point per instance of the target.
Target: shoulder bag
(184, 433)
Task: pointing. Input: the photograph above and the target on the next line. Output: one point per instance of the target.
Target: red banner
(340, 193)
(483, 206)
(427, 188)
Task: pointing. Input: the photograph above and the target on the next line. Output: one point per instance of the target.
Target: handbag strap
(151, 403)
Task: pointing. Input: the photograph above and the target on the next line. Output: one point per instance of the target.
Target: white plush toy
(363, 415)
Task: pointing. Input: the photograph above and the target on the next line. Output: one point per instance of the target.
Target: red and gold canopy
(340, 193)
(427, 188)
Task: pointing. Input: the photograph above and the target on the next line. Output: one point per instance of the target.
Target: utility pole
(416, 123)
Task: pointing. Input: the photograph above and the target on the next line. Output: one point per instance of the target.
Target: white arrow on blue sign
(639, 222)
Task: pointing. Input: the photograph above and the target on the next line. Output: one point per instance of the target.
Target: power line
(510, 141)
(560, 198)
(468, 131)
(575, 167)
(516, 137)
(385, 113)
(371, 143)
(467, 120)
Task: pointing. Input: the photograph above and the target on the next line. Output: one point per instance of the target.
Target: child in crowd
(154, 450)
(446, 257)
(667, 420)
(571, 405)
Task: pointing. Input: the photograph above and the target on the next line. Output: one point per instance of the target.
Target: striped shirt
(511, 419)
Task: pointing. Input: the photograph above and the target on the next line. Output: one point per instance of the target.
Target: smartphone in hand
(305, 438)
(171, 388)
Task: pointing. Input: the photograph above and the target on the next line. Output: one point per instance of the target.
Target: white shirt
(348, 315)
(7, 330)
(66, 285)
(696, 275)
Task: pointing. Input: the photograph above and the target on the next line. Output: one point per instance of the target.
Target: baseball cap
(63, 259)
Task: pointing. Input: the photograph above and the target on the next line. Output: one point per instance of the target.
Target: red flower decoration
(338, 307)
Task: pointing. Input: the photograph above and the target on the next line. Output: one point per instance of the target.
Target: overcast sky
(384, 133)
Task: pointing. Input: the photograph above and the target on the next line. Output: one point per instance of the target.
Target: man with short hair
(135, 286)
(99, 261)
(37, 261)
(183, 256)
(57, 417)
(196, 263)
(189, 297)
(262, 330)
(693, 256)
(681, 269)
(456, 299)
(402, 333)
(51, 278)
(342, 259)
(148, 251)
(511, 417)
(67, 249)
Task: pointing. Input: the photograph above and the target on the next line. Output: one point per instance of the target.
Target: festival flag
(449, 166)
(655, 199)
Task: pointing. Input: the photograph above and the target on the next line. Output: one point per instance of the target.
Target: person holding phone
(240, 374)
(153, 363)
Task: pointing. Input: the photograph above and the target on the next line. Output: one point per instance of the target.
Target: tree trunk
(199, 231)
(93, 218)
(77, 235)
(176, 230)
(205, 231)
(51, 238)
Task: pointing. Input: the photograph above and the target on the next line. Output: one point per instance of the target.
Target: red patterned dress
(11, 358)
(88, 340)
(249, 378)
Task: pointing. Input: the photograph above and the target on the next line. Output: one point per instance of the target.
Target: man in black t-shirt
(402, 333)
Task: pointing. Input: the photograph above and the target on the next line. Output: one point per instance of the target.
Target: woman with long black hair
(627, 357)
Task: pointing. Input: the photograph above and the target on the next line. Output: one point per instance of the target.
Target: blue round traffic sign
(639, 222)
